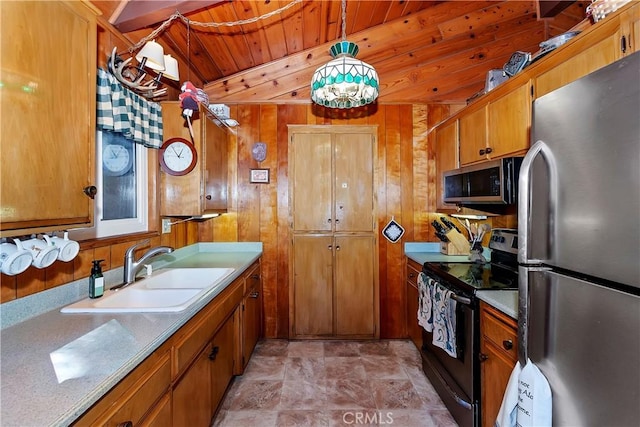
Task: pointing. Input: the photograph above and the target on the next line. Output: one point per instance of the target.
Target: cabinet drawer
(141, 398)
(502, 334)
(205, 325)
(413, 269)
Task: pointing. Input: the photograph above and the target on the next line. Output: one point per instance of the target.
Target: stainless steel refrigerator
(579, 247)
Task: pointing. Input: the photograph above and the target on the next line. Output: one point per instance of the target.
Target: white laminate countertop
(54, 366)
(504, 300)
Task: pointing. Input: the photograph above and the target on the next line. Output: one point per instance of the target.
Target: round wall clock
(116, 159)
(178, 156)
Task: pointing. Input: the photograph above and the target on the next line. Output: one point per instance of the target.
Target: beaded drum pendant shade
(344, 82)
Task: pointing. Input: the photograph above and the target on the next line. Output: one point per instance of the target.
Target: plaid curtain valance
(122, 111)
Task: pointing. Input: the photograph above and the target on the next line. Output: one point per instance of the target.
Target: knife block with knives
(456, 243)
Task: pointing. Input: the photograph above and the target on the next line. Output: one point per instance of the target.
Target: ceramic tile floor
(333, 383)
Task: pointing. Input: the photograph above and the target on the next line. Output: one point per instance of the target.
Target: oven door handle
(461, 300)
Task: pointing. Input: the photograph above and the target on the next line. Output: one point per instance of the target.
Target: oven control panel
(504, 239)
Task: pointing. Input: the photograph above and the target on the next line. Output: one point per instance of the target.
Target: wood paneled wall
(260, 212)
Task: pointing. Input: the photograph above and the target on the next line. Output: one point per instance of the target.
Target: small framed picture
(259, 176)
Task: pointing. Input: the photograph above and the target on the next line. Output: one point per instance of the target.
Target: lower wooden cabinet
(199, 392)
(498, 355)
(414, 330)
(251, 313)
(183, 382)
(335, 292)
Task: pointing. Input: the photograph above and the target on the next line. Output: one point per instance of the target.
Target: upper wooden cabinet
(498, 129)
(607, 41)
(204, 189)
(473, 136)
(332, 179)
(47, 125)
(629, 30)
(498, 124)
(509, 123)
(447, 157)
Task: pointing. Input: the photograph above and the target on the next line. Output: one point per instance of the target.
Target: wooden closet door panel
(355, 284)
(313, 284)
(354, 182)
(311, 182)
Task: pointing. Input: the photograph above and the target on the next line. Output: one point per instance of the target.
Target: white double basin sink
(169, 290)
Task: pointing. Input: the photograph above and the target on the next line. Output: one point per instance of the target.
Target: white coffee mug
(14, 258)
(68, 248)
(43, 251)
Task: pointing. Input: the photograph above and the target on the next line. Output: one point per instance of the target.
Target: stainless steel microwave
(492, 182)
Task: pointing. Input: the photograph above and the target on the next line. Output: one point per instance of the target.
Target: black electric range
(457, 379)
(500, 274)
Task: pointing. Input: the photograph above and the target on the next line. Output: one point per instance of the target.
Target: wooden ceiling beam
(137, 14)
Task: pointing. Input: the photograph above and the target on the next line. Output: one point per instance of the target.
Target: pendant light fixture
(344, 82)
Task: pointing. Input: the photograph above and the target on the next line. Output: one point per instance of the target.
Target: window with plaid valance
(122, 111)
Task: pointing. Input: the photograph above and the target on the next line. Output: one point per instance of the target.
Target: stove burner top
(479, 276)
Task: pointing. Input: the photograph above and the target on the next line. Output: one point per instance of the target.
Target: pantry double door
(334, 280)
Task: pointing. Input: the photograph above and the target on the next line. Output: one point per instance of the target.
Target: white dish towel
(533, 405)
(509, 408)
(425, 301)
(444, 320)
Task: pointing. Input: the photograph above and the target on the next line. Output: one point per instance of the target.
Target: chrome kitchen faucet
(132, 267)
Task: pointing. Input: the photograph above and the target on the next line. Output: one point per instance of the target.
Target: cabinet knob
(90, 191)
(623, 44)
(208, 197)
(329, 220)
(254, 294)
(507, 344)
(125, 424)
(337, 221)
(482, 357)
(214, 353)
(255, 276)
(489, 150)
(338, 248)
(411, 275)
(482, 152)
(330, 247)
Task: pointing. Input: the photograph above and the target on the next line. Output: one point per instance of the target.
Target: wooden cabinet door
(499, 354)
(312, 285)
(221, 359)
(252, 315)
(630, 30)
(509, 119)
(495, 371)
(603, 52)
(353, 182)
(414, 330)
(311, 182)
(447, 158)
(181, 195)
(215, 167)
(47, 125)
(192, 396)
(355, 286)
(473, 136)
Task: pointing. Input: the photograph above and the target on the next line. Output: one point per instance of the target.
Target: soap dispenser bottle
(96, 281)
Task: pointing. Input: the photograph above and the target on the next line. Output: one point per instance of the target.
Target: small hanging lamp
(344, 82)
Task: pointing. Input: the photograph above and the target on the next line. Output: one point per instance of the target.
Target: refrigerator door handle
(524, 197)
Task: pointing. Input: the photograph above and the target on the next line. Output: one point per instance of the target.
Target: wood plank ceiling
(423, 51)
